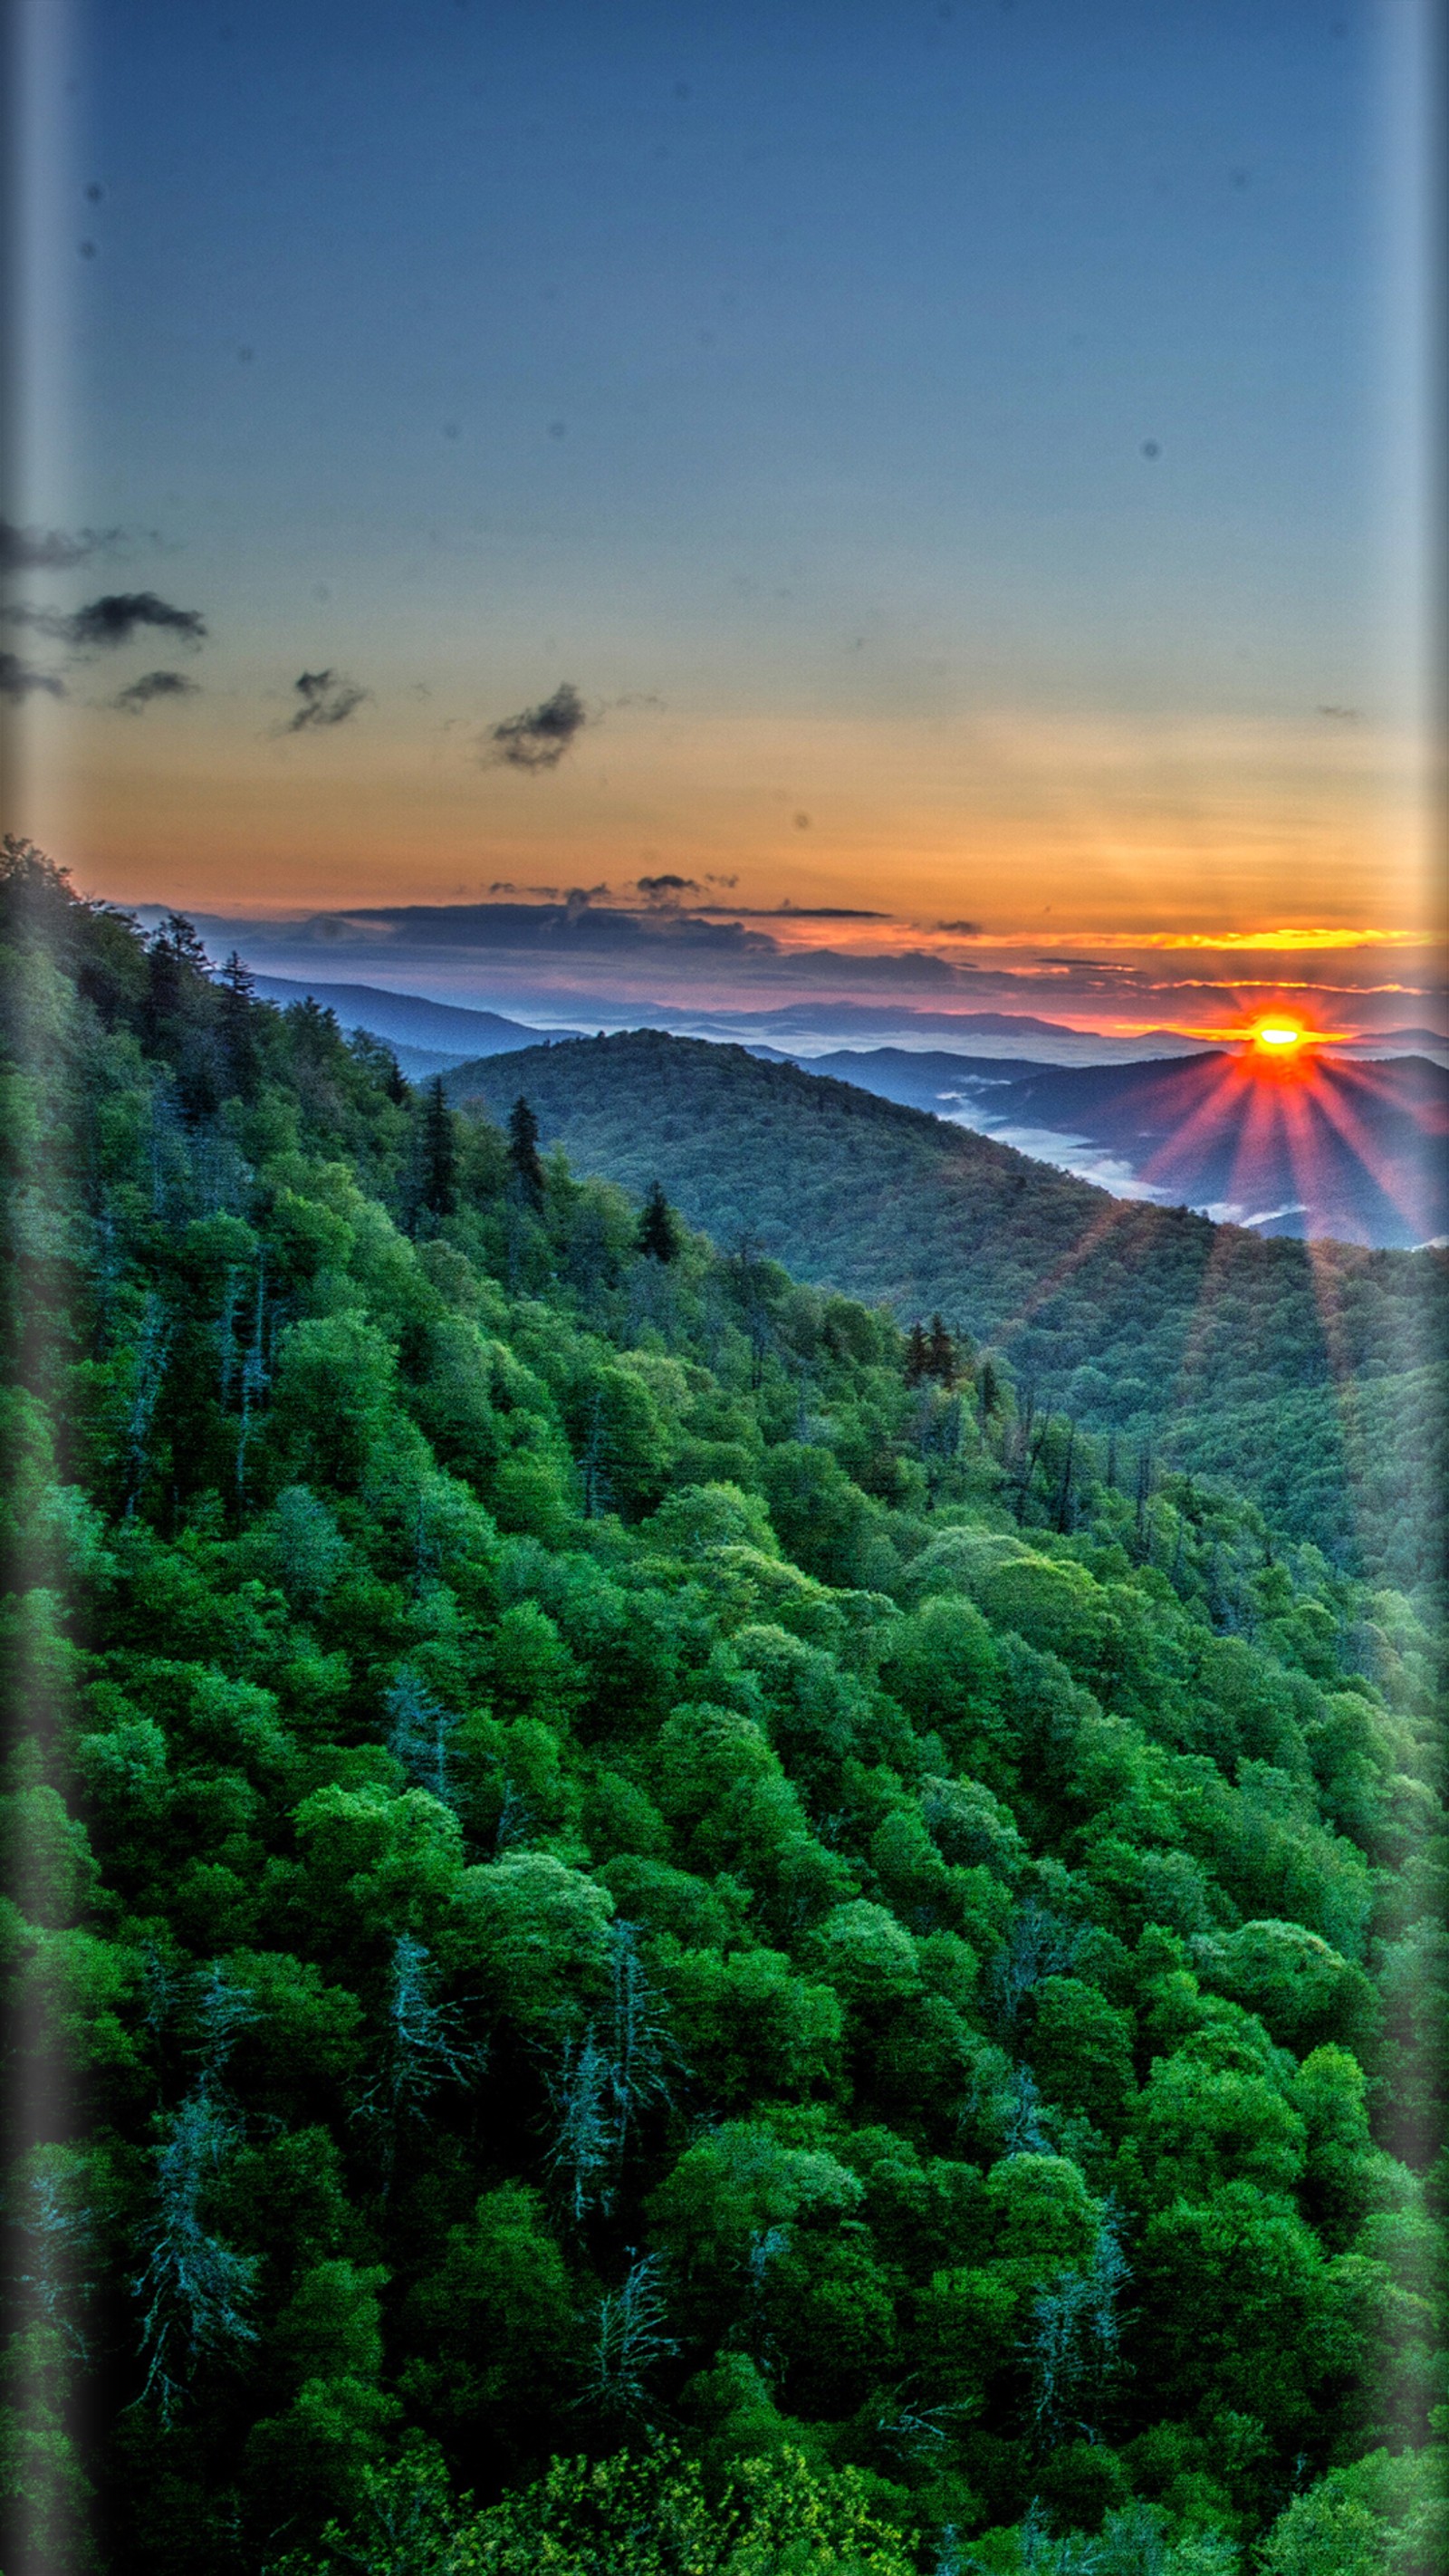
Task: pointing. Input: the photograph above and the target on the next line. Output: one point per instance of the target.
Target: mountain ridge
(1357, 1146)
(1124, 1313)
(408, 1019)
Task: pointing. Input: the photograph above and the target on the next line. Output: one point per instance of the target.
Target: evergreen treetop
(658, 1226)
(523, 1151)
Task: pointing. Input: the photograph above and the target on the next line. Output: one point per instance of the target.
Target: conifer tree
(1063, 1511)
(941, 1353)
(236, 985)
(658, 1231)
(1144, 1492)
(918, 1360)
(176, 964)
(236, 996)
(523, 1151)
(440, 1153)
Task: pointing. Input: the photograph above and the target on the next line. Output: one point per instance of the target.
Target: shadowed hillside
(1149, 1319)
(1355, 1151)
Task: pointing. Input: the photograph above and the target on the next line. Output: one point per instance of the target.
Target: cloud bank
(572, 956)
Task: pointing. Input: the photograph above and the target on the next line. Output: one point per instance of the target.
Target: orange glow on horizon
(1278, 1042)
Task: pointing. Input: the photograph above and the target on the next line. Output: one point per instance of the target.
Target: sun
(1279, 1047)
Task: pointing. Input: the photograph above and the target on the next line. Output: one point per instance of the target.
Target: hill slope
(1355, 1151)
(593, 1870)
(1147, 1318)
(408, 1020)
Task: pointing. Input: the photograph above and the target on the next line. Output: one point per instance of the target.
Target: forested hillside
(655, 1926)
(1311, 1378)
(1346, 1149)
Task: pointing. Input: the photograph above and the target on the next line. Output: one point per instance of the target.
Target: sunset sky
(958, 462)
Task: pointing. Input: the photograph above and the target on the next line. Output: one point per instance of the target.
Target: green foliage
(784, 2517)
(603, 1857)
(658, 1229)
(1312, 1382)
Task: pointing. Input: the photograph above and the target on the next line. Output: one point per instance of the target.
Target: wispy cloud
(539, 736)
(327, 699)
(50, 549)
(1228, 942)
(18, 680)
(152, 685)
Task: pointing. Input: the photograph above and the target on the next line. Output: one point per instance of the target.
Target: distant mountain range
(426, 1037)
(1319, 1147)
(1361, 1157)
(1430, 1042)
(799, 1031)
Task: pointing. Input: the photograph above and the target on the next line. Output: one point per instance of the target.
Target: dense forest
(656, 1925)
(1312, 1377)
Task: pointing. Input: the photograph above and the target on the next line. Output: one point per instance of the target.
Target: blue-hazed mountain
(427, 1037)
(1319, 1146)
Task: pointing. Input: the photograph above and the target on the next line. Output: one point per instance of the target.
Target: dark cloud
(45, 621)
(666, 889)
(962, 929)
(539, 737)
(327, 699)
(152, 685)
(573, 898)
(50, 549)
(571, 922)
(788, 911)
(120, 614)
(18, 680)
(641, 943)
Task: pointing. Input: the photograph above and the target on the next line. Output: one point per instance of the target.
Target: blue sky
(638, 321)
(966, 426)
